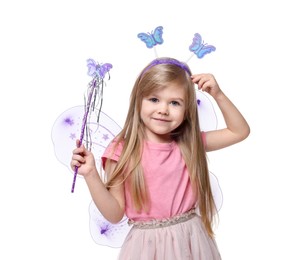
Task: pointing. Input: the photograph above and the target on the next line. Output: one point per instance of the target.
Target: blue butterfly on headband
(153, 38)
(200, 48)
(96, 69)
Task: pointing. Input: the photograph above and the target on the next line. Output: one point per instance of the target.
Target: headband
(167, 61)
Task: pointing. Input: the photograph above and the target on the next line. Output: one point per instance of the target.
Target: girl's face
(162, 112)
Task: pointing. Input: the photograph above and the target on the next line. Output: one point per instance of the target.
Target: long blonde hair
(188, 137)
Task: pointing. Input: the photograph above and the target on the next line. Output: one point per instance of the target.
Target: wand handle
(83, 127)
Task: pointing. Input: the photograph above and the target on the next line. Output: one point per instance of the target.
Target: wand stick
(93, 85)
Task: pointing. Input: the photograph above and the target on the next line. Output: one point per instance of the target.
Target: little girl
(156, 168)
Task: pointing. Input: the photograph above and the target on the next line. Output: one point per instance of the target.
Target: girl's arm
(237, 127)
(111, 203)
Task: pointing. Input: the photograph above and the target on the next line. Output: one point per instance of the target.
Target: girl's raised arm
(237, 127)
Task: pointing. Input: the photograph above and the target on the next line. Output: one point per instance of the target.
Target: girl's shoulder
(113, 151)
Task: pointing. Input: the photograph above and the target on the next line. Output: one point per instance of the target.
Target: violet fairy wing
(67, 128)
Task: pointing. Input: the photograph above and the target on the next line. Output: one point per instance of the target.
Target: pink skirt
(179, 238)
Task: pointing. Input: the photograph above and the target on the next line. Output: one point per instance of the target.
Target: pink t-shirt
(167, 181)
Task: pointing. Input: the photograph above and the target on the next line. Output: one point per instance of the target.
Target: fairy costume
(97, 130)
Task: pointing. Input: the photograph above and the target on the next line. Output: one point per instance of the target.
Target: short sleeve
(113, 152)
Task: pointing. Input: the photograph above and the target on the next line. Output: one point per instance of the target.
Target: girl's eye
(175, 103)
(154, 100)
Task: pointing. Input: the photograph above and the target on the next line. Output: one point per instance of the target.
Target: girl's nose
(163, 110)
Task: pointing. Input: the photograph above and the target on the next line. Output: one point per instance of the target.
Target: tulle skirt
(180, 238)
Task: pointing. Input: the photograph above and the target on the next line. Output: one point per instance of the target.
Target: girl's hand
(207, 83)
(84, 160)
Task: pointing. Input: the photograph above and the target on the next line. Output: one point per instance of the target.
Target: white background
(259, 64)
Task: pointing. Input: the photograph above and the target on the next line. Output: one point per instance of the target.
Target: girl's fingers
(78, 158)
(203, 84)
(80, 150)
(200, 79)
(74, 164)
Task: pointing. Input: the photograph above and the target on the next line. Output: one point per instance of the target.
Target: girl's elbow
(241, 135)
(116, 218)
(245, 133)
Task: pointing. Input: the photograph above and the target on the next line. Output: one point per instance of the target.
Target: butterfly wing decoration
(103, 69)
(153, 38)
(91, 64)
(199, 48)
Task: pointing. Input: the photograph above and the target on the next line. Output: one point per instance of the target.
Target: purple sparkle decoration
(104, 229)
(105, 233)
(69, 121)
(105, 137)
(98, 72)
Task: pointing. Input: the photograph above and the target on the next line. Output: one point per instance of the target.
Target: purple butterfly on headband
(96, 69)
(200, 48)
(153, 38)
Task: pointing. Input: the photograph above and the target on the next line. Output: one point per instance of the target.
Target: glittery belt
(165, 222)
